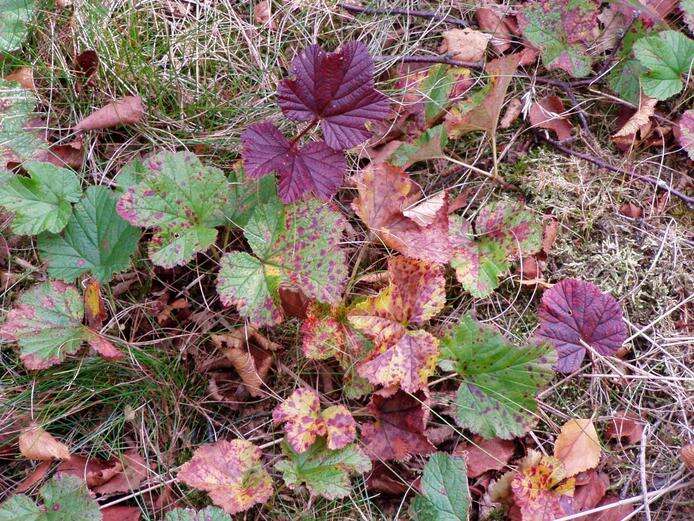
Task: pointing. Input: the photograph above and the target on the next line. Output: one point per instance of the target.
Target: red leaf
(547, 113)
(337, 89)
(575, 311)
(119, 513)
(492, 22)
(314, 167)
(612, 514)
(587, 495)
(625, 425)
(485, 455)
(398, 431)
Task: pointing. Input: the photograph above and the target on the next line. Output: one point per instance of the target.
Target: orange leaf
(126, 111)
(35, 443)
(577, 446)
(94, 310)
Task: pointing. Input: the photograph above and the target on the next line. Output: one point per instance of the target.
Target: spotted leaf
(304, 422)
(575, 312)
(561, 30)
(64, 497)
(336, 89)
(230, 472)
(182, 200)
(95, 240)
(397, 431)
(385, 192)
(46, 322)
(499, 381)
(402, 356)
(42, 201)
(325, 472)
(296, 244)
(189, 514)
(315, 167)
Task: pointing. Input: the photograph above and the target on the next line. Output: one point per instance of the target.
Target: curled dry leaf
(37, 444)
(118, 474)
(126, 111)
(513, 110)
(548, 113)
(464, 44)
(492, 22)
(304, 421)
(640, 119)
(230, 472)
(574, 313)
(251, 362)
(263, 14)
(687, 453)
(686, 132)
(24, 76)
(577, 446)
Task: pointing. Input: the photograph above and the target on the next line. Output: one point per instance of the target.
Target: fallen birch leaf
(126, 111)
(577, 446)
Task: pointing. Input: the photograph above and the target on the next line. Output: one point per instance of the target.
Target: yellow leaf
(577, 446)
(36, 444)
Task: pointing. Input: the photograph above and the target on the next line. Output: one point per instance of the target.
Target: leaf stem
(301, 134)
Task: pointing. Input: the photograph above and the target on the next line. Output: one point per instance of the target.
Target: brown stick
(405, 12)
(604, 164)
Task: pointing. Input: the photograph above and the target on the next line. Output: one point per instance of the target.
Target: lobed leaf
(445, 495)
(665, 57)
(47, 323)
(189, 514)
(230, 472)
(398, 430)
(14, 17)
(573, 313)
(42, 201)
(297, 244)
(336, 89)
(315, 167)
(385, 192)
(561, 30)
(325, 472)
(64, 497)
(95, 240)
(496, 397)
(183, 201)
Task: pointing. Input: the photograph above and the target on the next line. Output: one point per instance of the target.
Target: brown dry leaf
(549, 233)
(513, 110)
(464, 44)
(126, 111)
(120, 513)
(577, 446)
(485, 115)
(640, 119)
(263, 14)
(386, 479)
(687, 453)
(252, 365)
(133, 470)
(625, 425)
(590, 491)
(24, 76)
(631, 210)
(36, 444)
(612, 514)
(424, 212)
(34, 477)
(492, 22)
(294, 302)
(547, 113)
(485, 455)
(92, 471)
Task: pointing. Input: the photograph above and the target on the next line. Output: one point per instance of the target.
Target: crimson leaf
(314, 167)
(336, 89)
(574, 313)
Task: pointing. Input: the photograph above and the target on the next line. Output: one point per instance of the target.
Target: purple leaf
(314, 167)
(575, 311)
(336, 88)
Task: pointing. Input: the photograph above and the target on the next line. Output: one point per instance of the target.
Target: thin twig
(434, 58)
(429, 15)
(604, 164)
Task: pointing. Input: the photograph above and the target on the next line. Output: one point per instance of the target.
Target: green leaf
(666, 57)
(188, 514)
(183, 201)
(40, 202)
(96, 239)
(429, 145)
(46, 322)
(14, 15)
(20, 508)
(296, 244)
(245, 195)
(20, 133)
(436, 89)
(445, 495)
(65, 498)
(325, 472)
(624, 80)
(499, 381)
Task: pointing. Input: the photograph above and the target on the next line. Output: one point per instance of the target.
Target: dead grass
(207, 71)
